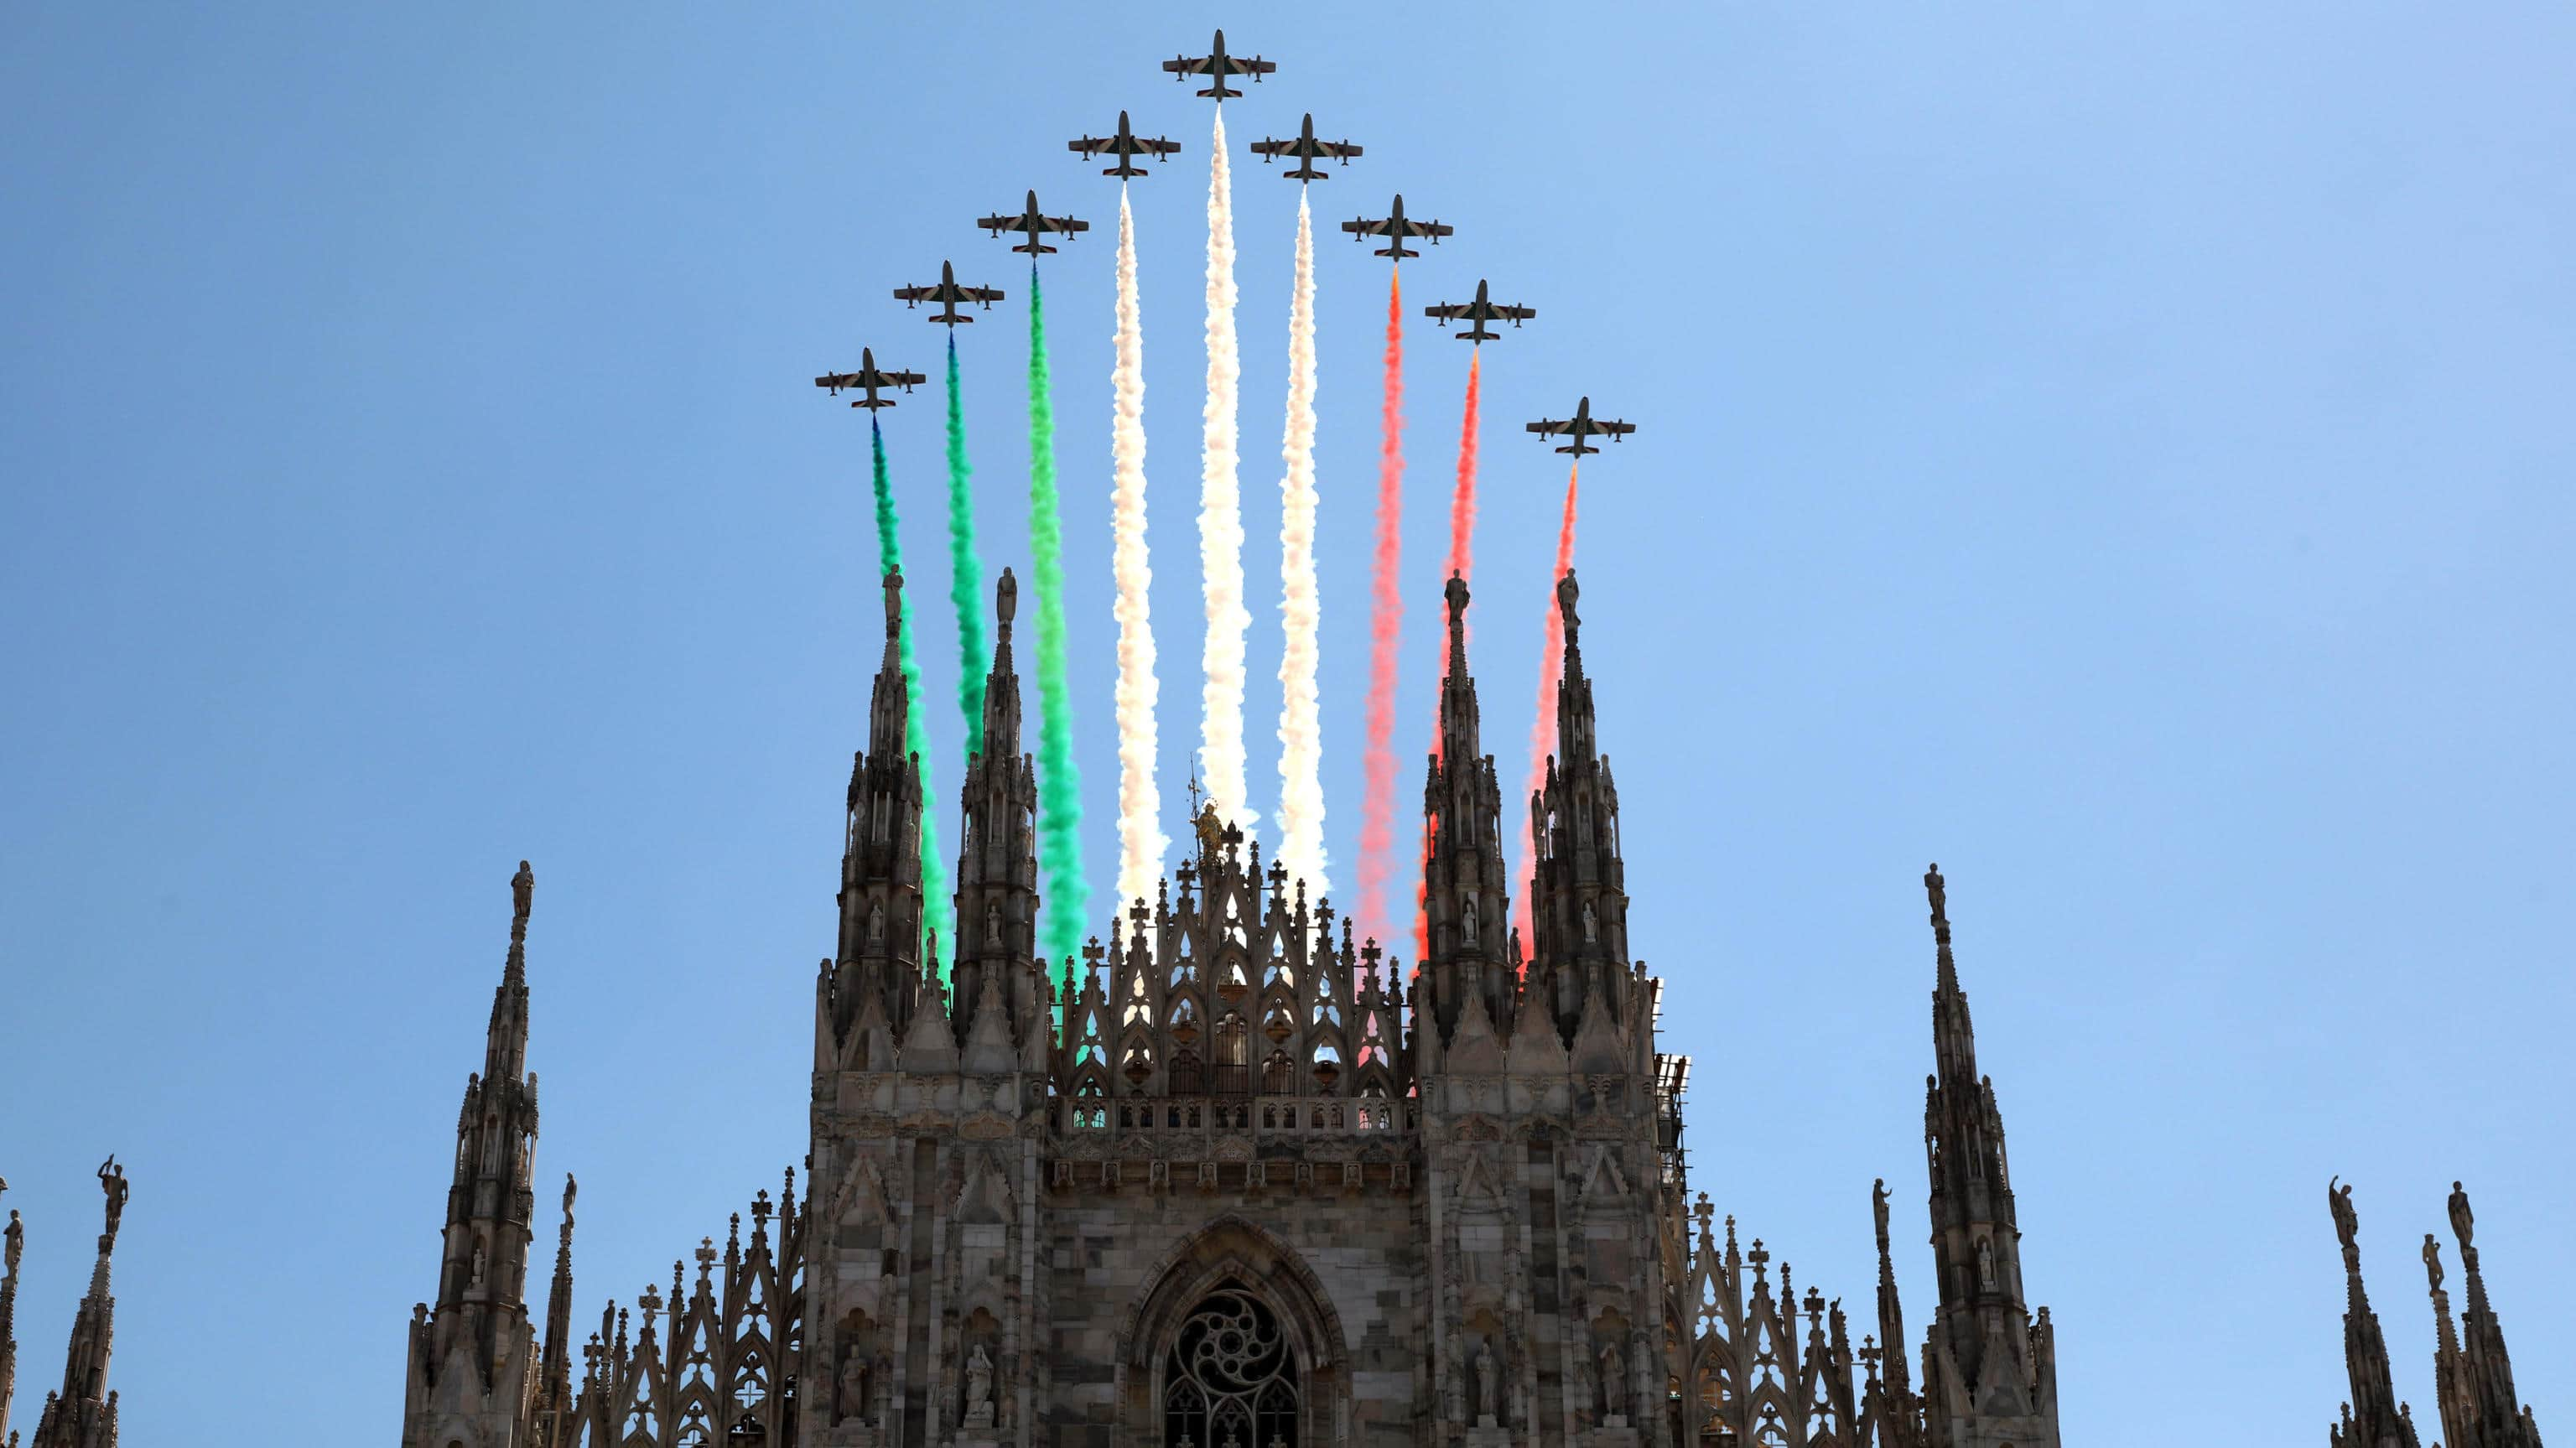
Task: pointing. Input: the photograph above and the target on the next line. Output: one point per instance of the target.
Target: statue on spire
(523, 894)
(894, 600)
(1939, 891)
(111, 1180)
(2461, 1221)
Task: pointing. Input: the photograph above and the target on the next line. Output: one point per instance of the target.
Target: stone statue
(1939, 892)
(1467, 924)
(876, 925)
(1566, 593)
(111, 1180)
(1591, 924)
(2347, 1222)
(992, 925)
(1583, 1391)
(854, 1386)
(572, 1189)
(1486, 1385)
(2461, 1221)
(474, 1269)
(1878, 1208)
(894, 600)
(523, 894)
(979, 1386)
(1614, 1380)
(1986, 1263)
(2432, 1263)
(17, 1243)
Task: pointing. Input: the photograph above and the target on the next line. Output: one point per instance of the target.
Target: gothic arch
(1231, 1251)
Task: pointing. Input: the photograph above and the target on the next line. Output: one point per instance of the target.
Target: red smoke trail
(1551, 669)
(1386, 621)
(1462, 563)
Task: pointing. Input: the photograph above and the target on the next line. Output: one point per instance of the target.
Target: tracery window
(1230, 1381)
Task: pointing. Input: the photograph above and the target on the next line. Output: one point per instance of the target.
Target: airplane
(1479, 312)
(1126, 146)
(948, 294)
(1307, 150)
(1034, 225)
(1396, 229)
(869, 379)
(1217, 65)
(1581, 426)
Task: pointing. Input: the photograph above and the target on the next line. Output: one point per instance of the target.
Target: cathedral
(1233, 1180)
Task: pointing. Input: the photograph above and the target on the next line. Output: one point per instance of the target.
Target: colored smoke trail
(939, 908)
(965, 575)
(1301, 729)
(1551, 669)
(1140, 835)
(1462, 563)
(1221, 515)
(1386, 626)
(1068, 892)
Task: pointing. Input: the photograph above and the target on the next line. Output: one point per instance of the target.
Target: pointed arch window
(1230, 1380)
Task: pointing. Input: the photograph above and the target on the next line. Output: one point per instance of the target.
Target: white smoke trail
(1140, 837)
(1301, 733)
(1221, 514)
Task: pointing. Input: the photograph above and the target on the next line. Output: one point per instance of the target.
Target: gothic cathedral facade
(1233, 1180)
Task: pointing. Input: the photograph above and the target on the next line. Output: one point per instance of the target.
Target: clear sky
(2119, 451)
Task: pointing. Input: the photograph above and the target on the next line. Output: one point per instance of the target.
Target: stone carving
(2347, 1222)
(474, 1276)
(1614, 1380)
(993, 925)
(2432, 1263)
(111, 1180)
(2461, 1221)
(979, 1388)
(1486, 1386)
(1986, 1264)
(855, 1372)
(1467, 925)
(1591, 924)
(876, 925)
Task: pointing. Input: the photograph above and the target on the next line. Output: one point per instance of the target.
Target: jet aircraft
(948, 294)
(1307, 150)
(1396, 229)
(1034, 224)
(1216, 66)
(1126, 146)
(1581, 426)
(869, 379)
(1479, 312)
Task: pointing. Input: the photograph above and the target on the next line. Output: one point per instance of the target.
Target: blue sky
(2121, 452)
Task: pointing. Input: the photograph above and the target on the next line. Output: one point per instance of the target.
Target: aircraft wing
(916, 294)
(1550, 425)
(900, 379)
(1089, 145)
(1617, 429)
(1063, 223)
(1450, 311)
(1429, 228)
(1274, 148)
(1159, 146)
(999, 224)
(987, 295)
(1254, 66)
(1517, 314)
(1366, 227)
(1184, 65)
(1341, 150)
(837, 380)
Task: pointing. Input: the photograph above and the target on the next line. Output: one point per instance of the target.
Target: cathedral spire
(997, 864)
(83, 1413)
(881, 903)
(1466, 901)
(554, 1370)
(2373, 1418)
(1578, 899)
(1996, 1372)
(471, 1352)
(12, 1244)
(2480, 1408)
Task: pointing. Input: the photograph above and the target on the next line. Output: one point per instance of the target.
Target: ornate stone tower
(82, 1414)
(474, 1372)
(1989, 1371)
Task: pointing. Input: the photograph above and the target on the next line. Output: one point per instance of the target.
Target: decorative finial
(1878, 1208)
(2432, 1265)
(2347, 1222)
(1456, 593)
(2461, 1222)
(1566, 592)
(894, 600)
(1934, 886)
(571, 1189)
(111, 1180)
(1006, 600)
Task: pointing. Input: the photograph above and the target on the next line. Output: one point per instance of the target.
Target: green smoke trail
(1059, 780)
(965, 576)
(939, 908)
